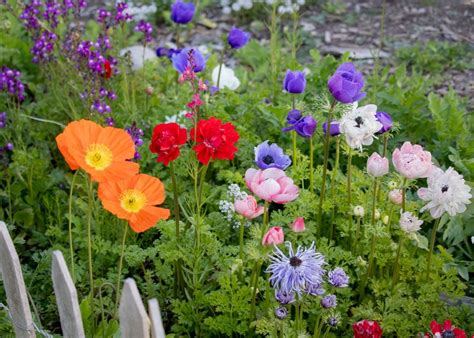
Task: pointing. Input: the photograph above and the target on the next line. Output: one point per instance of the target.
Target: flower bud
(385, 219)
(274, 235)
(377, 214)
(149, 90)
(392, 185)
(395, 196)
(377, 165)
(298, 225)
(358, 211)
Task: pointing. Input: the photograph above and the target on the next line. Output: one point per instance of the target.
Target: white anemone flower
(228, 78)
(446, 192)
(359, 126)
(409, 222)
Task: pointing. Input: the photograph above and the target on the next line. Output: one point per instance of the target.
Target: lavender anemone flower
(284, 298)
(294, 272)
(333, 129)
(386, 120)
(329, 302)
(281, 312)
(338, 278)
(315, 290)
(271, 156)
(188, 57)
(346, 83)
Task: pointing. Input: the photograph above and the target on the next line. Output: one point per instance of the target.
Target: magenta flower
(411, 161)
(377, 165)
(271, 185)
(298, 225)
(248, 207)
(274, 236)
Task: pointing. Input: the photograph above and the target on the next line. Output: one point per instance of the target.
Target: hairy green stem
(311, 159)
(177, 282)
(333, 189)
(397, 262)
(71, 244)
(89, 246)
(432, 243)
(120, 266)
(221, 62)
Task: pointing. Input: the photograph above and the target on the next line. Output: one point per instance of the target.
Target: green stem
(221, 62)
(311, 159)
(325, 162)
(241, 248)
(119, 274)
(177, 282)
(71, 244)
(349, 178)
(297, 318)
(404, 194)
(265, 219)
(397, 260)
(293, 136)
(333, 188)
(432, 243)
(317, 329)
(256, 273)
(89, 246)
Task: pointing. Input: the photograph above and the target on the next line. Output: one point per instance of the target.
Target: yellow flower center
(132, 200)
(98, 156)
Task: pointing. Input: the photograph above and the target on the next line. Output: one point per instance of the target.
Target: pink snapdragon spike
(274, 236)
(377, 165)
(196, 102)
(395, 196)
(412, 161)
(298, 225)
(248, 207)
(271, 185)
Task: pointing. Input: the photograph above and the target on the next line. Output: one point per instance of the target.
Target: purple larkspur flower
(52, 12)
(346, 84)
(103, 15)
(271, 156)
(101, 107)
(281, 312)
(182, 12)
(329, 302)
(121, 16)
(109, 121)
(386, 120)
(30, 14)
(3, 120)
(338, 278)
(284, 298)
(162, 52)
(237, 38)
(294, 272)
(333, 129)
(9, 147)
(188, 57)
(213, 90)
(146, 28)
(43, 47)
(10, 82)
(315, 289)
(294, 82)
(136, 134)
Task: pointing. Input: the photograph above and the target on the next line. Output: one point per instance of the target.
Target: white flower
(359, 211)
(228, 78)
(446, 192)
(359, 125)
(409, 222)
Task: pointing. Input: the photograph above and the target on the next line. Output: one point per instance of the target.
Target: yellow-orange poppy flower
(101, 152)
(135, 200)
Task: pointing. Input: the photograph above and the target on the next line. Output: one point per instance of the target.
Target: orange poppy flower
(101, 152)
(135, 200)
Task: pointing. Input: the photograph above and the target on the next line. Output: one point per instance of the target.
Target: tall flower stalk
(119, 274)
(325, 162)
(71, 244)
(333, 188)
(432, 243)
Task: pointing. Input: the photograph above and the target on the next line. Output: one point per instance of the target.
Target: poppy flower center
(99, 156)
(295, 261)
(132, 200)
(268, 159)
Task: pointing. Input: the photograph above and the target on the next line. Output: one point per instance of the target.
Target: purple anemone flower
(386, 120)
(182, 12)
(294, 272)
(188, 57)
(338, 278)
(329, 302)
(346, 83)
(315, 290)
(305, 126)
(333, 129)
(238, 38)
(295, 82)
(281, 312)
(284, 298)
(293, 116)
(271, 156)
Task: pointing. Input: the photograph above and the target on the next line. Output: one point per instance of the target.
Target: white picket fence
(134, 320)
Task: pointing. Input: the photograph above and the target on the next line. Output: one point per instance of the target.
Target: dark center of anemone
(448, 334)
(359, 121)
(268, 159)
(295, 261)
(444, 188)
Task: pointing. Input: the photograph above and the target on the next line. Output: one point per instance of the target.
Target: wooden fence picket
(14, 285)
(66, 298)
(134, 321)
(157, 329)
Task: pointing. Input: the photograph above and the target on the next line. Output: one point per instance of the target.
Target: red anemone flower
(107, 69)
(447, 330)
